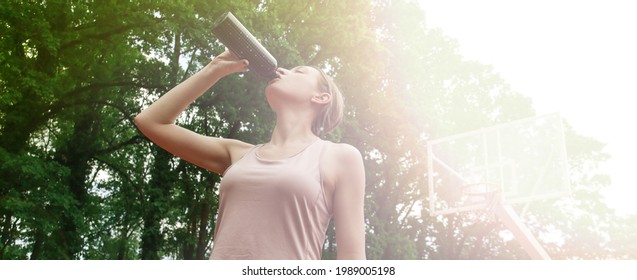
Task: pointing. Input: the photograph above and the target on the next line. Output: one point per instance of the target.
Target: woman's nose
(282, 71)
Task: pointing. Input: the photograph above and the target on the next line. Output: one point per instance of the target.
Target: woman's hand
(228, 62)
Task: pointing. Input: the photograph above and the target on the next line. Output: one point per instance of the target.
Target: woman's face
(300, 84)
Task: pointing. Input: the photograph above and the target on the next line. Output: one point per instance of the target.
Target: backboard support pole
(514, 223)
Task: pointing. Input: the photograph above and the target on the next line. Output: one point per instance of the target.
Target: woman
(276, 199)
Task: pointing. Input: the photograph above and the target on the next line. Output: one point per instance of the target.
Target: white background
(577, 58)
(404, 270)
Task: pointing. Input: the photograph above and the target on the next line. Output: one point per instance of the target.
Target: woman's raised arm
(157, 121)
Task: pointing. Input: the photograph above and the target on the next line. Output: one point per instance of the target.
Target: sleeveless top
(272, 209)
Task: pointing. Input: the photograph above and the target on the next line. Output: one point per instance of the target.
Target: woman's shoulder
(339, 154)
(343, 167)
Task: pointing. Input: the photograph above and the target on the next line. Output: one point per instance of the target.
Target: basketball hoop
(525, 158)
(479, 175)
(485, 197)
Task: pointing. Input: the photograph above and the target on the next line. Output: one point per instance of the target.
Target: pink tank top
(272, 209)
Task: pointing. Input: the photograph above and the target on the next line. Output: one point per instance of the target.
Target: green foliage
(78, 181)
(35, 197)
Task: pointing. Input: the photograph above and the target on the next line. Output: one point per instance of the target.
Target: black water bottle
(240, 41)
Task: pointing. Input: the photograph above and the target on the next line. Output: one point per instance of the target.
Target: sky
(577, 58)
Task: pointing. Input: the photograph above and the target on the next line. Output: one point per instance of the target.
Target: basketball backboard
(522, 161)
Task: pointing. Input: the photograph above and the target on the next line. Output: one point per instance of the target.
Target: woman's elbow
(140, 120)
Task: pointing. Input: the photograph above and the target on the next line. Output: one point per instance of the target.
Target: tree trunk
(153, 211)
(202, 241)
(76, 156)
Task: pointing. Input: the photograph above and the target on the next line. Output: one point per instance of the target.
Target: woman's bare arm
(348, 201)
(157, 121)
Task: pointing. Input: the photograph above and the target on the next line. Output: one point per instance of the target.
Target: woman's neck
(292, 129)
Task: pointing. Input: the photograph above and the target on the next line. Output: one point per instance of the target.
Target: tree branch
(134, 140)
(109, 33)
(56, 108)
(96, 86)
(116, 169)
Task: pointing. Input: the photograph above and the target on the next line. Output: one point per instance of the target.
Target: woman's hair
(331, 114)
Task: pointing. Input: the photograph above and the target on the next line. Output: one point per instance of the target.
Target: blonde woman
(276, 198)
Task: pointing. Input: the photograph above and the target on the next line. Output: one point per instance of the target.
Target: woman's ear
(322, 98)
